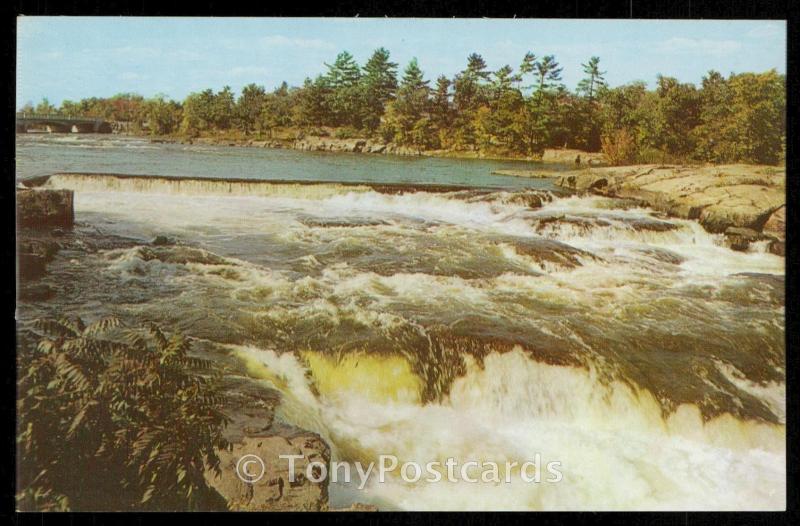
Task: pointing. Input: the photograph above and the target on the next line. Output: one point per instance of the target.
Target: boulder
(778, 248)
(270, 487)
(33, 257)
(776, 224)
(739, 238)
(45, 208)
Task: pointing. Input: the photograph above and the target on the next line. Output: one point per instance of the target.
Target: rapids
(482, 324)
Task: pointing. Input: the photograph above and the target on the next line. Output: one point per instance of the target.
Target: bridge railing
(55, 117)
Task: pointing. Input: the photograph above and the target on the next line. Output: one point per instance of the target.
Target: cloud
(704, 46)
(767, 31)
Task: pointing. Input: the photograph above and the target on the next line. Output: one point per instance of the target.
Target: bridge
(55, 123)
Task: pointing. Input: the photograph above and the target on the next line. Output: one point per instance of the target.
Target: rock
(569, 156)
(33, 257)
(663, 255)
(776, 224)
(778, 248)
(161, 241)
(719, 197)
(739, 238)
(274, 489)
(36, 292)
(45, 208)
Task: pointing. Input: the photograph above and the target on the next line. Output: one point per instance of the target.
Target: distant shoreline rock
(321, 143)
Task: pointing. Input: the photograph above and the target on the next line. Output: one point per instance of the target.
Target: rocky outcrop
(45, 208)
(719, 197)
(271, 486)
(331, 144)
(571, 156)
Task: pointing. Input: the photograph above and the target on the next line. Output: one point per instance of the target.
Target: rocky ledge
(745, 202)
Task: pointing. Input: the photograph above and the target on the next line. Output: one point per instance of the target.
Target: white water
(618, 448)
(615, 450)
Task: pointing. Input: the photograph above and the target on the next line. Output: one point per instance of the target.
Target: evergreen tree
(594, 79)
(379, 86)
(412, 104)
(548, 73)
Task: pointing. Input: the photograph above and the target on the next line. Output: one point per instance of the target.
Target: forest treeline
(510, 111)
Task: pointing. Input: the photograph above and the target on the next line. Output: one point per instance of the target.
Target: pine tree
(344, 72)
(548, 73)
(380, 85)
(594, 80)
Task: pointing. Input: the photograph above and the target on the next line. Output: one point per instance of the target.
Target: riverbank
(745, 202)
(331, 143)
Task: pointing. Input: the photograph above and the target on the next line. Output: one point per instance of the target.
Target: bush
(619, 147)
(111, 418)
(348, 132)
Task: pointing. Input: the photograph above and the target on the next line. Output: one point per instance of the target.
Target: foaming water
(616, 451)
(487, 325)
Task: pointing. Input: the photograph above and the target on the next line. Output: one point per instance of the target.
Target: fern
(106, 395)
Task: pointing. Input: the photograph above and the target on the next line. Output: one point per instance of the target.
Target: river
(494, 322)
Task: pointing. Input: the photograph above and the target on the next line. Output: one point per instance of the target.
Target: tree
(467, 86)
(380, 84)
(312, 108)
(223, 109)
(198, 112)
(249, 106)
(758, 102)
(70, 109)
(276, 110)
(678, 112)
(45, 107)
(163, 116)
(441, 108)
(344, 72)
(547, 73)
(593, 81)
(503, 80)
(347, 97)
(411, 105)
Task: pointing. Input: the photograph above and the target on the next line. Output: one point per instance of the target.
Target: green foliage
(409, 117)
(594, 80)
(111, 418)
(163, 116)
(379, 86)
(742, 118)
(738, 119)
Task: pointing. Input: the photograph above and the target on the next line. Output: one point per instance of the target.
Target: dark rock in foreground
(45, 208)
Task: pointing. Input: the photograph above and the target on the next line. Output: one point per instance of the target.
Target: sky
(75, 57)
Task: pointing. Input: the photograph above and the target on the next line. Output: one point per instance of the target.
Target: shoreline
(364, 145)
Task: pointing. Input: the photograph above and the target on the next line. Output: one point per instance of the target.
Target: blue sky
(75, 57)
